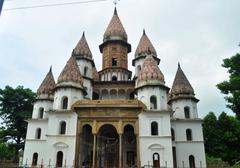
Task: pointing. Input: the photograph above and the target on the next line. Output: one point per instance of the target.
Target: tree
(232, 87)
(222, 137)
(210, 133)
(15, 107)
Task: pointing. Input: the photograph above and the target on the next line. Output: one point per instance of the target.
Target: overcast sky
(198, 34)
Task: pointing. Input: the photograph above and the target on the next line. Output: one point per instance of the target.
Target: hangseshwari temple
(113, 117)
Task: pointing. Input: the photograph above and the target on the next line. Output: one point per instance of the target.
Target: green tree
(232, 87)
(210, 133)
(222, 137)
(15, 107)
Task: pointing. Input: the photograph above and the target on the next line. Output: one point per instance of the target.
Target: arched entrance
(86, 146)
(156, 160)
(107, 147)
(129, 147)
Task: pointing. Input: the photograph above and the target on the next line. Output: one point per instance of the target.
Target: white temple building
(113, 118)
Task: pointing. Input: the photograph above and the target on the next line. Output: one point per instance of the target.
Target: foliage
(15, 107)
(232, 87)
(222, 137)
(6, 152)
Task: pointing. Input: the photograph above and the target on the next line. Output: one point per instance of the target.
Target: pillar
(77, 148)
(120, 150)
(94, 150)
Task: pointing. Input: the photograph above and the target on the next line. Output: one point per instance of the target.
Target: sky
(198, 34)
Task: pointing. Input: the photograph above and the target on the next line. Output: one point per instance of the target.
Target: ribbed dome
(145, 46)
(115, 29)
(150, 70)
(95, 74)
(181, 84)
(82, 48)
(71, 72)
(47, 84)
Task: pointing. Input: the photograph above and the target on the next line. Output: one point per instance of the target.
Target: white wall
(178, 107)
(46, 104)
(150, 144)
(72, 94)
(186, 148)
(146, 92)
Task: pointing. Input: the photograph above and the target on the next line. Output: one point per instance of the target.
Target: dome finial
(144, 33)
(83, 35)
(50, 70)
(179, 65)
(115, 10)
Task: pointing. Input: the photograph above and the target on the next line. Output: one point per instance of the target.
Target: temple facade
(113, 118)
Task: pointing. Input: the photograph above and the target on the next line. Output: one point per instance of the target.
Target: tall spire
(82, 48)
(47, 84)
(145, 46)
(71, 72)
(150, 70)
(181, 84)
(115, 29)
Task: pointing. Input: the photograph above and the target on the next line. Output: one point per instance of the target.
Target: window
(62, 129)
(173, 134)
(114, 62)
(153, 102)
(35, 159)
(64, 103)
(154, 128)
(189, 134)
(191, 161)
(38, 133)
(59, 162)
(174, 157)
(85, 71)
(186, 112)
(40, 112)
(114, 78)
(138, 69)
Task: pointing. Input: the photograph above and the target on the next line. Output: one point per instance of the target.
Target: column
(138, 151)
(120, 150)
(94, 150)
(77, 148)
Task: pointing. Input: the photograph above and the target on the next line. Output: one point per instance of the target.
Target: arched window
(153, 102)
(35, 159)
(187, 112)
(59, 159)
(173, 134)
(189, 134)
(38, 133)
(40, 112)
(154, 128)
(62, 127)
(85, 71)
(191, 161)
(114, 61)
(156, 160)
(64, 103)
(114, 78)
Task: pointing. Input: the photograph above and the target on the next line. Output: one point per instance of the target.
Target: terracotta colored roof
(145, 46)
(95, 74)
(47, 84)
(71, 72)
(115, 28)
(181, 84)
(82, 48)
(150, 70)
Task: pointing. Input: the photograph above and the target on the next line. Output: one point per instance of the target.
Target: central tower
(115, 49)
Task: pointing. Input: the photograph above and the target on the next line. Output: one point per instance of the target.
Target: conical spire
(115, 29)
(82, 48)
(95, 74)
(47, 84)
(181, 84)
(71, 72)
(145, 46)
(150, 70)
